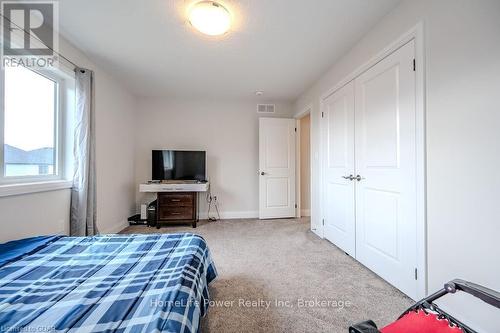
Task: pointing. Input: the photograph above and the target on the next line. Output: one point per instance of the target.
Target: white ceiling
(278, 46)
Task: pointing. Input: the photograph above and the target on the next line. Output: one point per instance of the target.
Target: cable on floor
(212, 200)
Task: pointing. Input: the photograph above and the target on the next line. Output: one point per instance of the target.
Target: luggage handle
(485, 294)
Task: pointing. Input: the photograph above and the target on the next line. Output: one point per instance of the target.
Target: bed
(112, 283)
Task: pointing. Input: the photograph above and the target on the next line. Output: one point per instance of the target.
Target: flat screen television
(179, 165)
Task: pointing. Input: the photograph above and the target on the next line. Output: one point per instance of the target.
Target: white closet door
(338, 198)
(277, 168)
(386, 159)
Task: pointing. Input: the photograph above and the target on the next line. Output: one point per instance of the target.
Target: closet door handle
(350, 177)
(359, 178)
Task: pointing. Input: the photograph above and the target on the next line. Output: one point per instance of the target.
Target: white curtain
(83, 193)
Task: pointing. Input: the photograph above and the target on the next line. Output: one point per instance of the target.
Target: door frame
(298, 197)
(416, 33)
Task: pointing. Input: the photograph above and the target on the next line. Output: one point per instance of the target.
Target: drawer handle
(176, 213)
(176, 200)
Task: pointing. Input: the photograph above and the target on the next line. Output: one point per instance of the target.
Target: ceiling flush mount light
(210, 18)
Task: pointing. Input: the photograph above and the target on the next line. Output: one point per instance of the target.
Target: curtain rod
(27, 33)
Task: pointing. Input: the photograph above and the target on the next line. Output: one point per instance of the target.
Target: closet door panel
(386, 163)
(338, 163)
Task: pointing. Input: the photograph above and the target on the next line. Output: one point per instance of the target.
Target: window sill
(27, 188)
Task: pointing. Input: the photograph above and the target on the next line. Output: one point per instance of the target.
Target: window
(30, 113)
(32, 127)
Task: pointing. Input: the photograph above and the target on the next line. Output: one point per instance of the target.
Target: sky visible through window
(29, 123)
(29, 109)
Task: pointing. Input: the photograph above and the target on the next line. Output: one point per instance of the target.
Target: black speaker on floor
(152, 214)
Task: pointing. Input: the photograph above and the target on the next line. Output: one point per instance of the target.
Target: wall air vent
(266, 108)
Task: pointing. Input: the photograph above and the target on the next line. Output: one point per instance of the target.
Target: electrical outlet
(215, 198)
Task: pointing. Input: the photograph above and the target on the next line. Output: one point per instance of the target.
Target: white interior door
(338, 200)
(276, 168)
(386, 160)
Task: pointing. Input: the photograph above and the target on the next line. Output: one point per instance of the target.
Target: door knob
(262, 173)
(359, 178)
(350, 177)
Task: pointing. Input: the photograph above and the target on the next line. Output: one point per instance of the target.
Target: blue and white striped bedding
(116, 283)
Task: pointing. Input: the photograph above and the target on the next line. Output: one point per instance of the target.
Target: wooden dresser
(177, 207)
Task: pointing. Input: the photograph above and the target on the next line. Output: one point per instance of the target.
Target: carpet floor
(277, 276)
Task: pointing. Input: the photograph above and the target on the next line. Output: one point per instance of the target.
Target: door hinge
(416, 274)
(322, 115)
(295, 129)
(323, 221)
(414, 65)
(295, 205)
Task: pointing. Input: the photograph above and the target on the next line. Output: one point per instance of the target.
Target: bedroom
(134, 77)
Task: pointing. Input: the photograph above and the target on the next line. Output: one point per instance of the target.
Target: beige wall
(227, 130)
(463, 136)
(305, 166)
(44, 213)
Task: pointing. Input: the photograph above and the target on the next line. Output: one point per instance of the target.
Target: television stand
(177, 201)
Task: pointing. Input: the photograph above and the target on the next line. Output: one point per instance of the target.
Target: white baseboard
(305, 212)
(203, 216)
(115, 228)
(231, 215)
